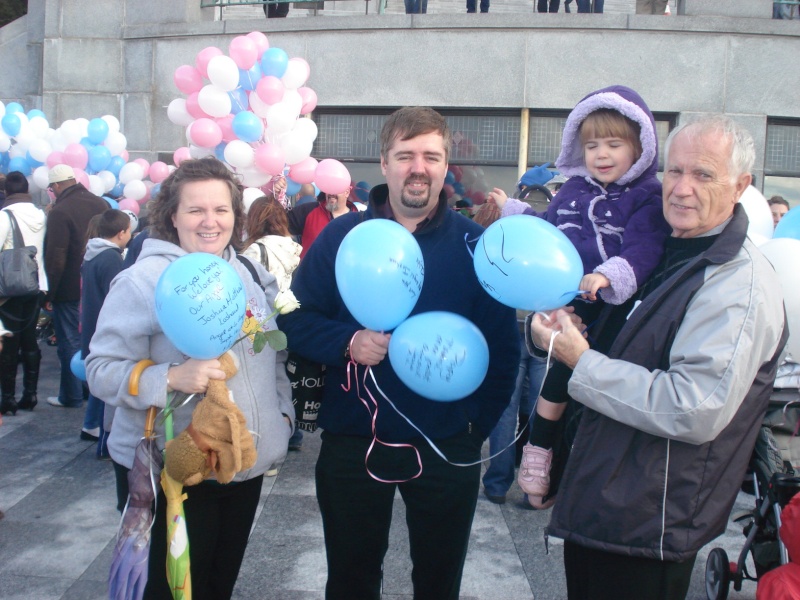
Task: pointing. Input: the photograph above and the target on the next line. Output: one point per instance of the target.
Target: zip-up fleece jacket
(322, 327)
(674, 409)
(128, 331)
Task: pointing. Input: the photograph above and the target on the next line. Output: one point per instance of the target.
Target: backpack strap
(264, 256)
(249, 266)
(16, 236)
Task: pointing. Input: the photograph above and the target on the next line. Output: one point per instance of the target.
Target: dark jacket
(102, 262)
(322, 327)
(65, 241)
(661, 451)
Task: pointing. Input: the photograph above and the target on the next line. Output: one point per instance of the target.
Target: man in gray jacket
(676, 387)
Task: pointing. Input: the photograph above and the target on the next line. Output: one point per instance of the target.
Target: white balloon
(134, 190)
(24, 138)
(258, 106)
(40, 178)
(2, 109)
(58, 141)
(134, 219)
(40, 150)
(253, 177)
(129, 172)
(223, 72)
(39, 126)
(214, 101)
(115, 142)
(295, 149)
(249, 195)
(177, 113)
(758, 212)
(5, 142)
(32, 187)
(281, 117)
(17, 150)
(109, 180)
(239, 154)
(112, 122)
(305, 129)
(297, 72)
(83, 124)
(70, 131)
(293, 100)
(783, 253)
(199, 151)
(96, 185)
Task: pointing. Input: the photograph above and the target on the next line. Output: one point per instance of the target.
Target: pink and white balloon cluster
(245, 107)
(95, 149)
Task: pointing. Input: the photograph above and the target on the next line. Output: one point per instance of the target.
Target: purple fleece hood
(630, 104)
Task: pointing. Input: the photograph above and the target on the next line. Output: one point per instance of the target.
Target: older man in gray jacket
(676, 388)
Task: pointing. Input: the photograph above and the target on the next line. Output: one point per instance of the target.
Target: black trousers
(218, 522)
(598, 575)
(357, 512)
(276, 11)
(547, 6)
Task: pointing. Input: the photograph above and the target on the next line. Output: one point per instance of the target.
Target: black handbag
(308, 386)
(19, 273)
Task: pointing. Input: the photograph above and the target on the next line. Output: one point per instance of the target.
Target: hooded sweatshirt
(128, 331)
(101, 263)
(31, 222)
(280, 256)
(618, 229)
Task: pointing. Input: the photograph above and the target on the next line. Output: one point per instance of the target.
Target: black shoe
(90, 436)
(28, 402)
(494, 499)
(8, 405)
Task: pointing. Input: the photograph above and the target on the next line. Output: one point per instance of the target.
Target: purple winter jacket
(618, 230)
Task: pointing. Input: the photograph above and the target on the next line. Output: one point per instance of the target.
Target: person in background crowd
(778, 206)
(110, 232)
(676, 386)
(20, 313)
(414, 7)
(543, 6)
(308, 220)
(276, 10)
(65, 243)
(651, 7)
(471, 6)
(356, 505)
(588, 6)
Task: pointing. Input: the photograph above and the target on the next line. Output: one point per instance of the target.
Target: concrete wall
(122, 60)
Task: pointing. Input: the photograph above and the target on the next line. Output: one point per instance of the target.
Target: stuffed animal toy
(216, 440)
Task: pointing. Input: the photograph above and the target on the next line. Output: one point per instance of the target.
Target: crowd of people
(665, 361)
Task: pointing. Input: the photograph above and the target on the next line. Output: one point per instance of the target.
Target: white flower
(285, 302)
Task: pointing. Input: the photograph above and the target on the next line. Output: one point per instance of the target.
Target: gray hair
(743, 148)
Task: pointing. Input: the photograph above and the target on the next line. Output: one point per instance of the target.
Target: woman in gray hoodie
(199, 209)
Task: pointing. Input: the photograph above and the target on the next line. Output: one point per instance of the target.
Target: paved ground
(60, 523)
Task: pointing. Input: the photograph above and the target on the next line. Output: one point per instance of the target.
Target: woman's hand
(279, 186)
(192, 377)
(569, 344)
(499, 197)
(369, 347)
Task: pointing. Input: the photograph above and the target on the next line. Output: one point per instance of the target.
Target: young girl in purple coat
(610, 208)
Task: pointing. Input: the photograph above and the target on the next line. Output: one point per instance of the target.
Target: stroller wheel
(718, 575)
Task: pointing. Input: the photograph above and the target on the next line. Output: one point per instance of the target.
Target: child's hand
(499, 197)
(591, 283)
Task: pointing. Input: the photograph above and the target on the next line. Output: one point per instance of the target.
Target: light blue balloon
(78, 366)
(18, 163)
(292, 187)
(200, 305)
(97, 131)
(439, 355)
(249, 78)
(219, 152)
(154, 190)
(99, 158)
(112, 203)
(14, 107)
(379, 273)
(274, 62)
(11, 123)
(117, 190)
(527, 263)
(239, 101)
(247, 126)
(115, 165)
(789, 225)
(32, 161)
(35, 112)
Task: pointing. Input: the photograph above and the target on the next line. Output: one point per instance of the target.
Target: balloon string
(373, 421)
(467, 242)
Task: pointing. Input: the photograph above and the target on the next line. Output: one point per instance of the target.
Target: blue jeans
(585, 6)
(93, 417)
(471, 6)
(500, 475)
(65, 321)
(417, 6)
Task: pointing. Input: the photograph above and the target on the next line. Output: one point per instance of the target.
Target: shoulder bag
(19, 273)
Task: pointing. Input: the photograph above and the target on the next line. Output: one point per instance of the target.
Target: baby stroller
(774, 478)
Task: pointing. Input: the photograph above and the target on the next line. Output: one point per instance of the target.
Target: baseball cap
(60, 173)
